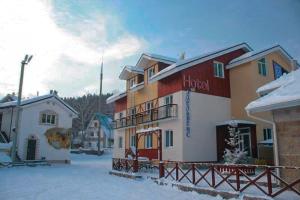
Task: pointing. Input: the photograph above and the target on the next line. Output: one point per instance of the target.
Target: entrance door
(31, 147)
(245, 140)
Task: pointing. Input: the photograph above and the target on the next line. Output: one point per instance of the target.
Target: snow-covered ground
(86, 178)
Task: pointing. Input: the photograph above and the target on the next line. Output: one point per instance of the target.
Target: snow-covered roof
(155, 57)
(234, 121)
(286, 95)
(183, 64)
(150, 129)
(116, 97)
(284, 79)
(36, 99)
(129, 71)
(253, 55)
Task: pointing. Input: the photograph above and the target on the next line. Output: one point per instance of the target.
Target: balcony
(155, 114)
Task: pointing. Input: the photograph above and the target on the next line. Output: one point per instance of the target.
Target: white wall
(30, 125)
(174, 153)
(205, 112)
(119, 152)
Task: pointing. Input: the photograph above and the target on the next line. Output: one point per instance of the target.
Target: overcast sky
(67, 37)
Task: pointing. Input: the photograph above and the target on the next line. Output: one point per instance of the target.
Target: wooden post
(193, 173)
(213, 181)
(269, 181)
(176, 170)
(237, 178)
(161, 169)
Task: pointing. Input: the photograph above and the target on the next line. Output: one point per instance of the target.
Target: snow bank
(4, 158)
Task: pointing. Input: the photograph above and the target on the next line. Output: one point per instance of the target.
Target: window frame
(267, 134)
(131, 82)
(152, 70)
(262, 67)
(148, 141)
(133, 141)
(168, 98)
(219, 71)
(169, 135)
(120, 145)
(49, 119)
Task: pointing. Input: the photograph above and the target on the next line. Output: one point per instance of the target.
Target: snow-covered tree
(233, 155)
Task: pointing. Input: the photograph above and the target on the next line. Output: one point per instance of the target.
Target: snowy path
(86, 178)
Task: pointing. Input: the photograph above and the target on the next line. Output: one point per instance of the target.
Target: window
(148, 142)
(169, 138)
(278, 70)
(262, 67)
(48, 119)
(151, 72)
(218, 69)
(131, 82)
(132, 141)
(169, 100)
(149, 106)
(120, 115)
(132, 111)
(1, 120)
(267, 133)
(120, 142)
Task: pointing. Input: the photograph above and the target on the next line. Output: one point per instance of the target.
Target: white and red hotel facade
(189, 103)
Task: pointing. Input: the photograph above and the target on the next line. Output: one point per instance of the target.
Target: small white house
(43, 127)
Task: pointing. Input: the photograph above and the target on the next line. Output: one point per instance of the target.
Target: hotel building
(180, 109)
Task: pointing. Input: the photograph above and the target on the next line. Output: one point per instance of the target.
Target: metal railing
(155, 114)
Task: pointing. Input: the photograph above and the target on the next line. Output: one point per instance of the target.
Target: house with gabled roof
(44, 127)
(179, 109)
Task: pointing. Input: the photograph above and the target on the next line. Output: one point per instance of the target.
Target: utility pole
(26, 60)
(99, 107)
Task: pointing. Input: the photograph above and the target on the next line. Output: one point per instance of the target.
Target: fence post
(213, 180)
(135, 165)
(193, 173)
(161, 169)
(269, 181)
(176, 170)
(237, 178)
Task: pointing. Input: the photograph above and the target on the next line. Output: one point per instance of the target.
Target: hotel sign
(188, 114)
(195, 84)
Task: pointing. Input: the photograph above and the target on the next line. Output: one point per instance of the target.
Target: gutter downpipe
(275, 142)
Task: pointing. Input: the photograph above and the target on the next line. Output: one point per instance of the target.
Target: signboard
(188, 114)
(195, 84)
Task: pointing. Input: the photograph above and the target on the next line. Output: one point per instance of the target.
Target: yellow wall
(245, 80)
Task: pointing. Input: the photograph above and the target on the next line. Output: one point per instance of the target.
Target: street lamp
(24, 62)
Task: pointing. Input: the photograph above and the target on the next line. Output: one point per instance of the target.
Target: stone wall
(288, 133)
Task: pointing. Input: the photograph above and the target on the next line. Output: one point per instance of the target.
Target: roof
(116, 97)
(234, 121)
(155, 57)
(286, 95)
(183, 64)
(253, 55)
(130, 70)
(35, 100)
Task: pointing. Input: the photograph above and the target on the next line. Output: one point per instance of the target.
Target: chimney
(55, 92)
(182, 56)
(37, 93)
(51, 91)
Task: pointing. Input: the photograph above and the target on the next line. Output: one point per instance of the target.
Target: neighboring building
(43, 127)
(187, 100)
(282, 99)
(91, 133)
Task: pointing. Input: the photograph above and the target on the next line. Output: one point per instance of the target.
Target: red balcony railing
(155, 114)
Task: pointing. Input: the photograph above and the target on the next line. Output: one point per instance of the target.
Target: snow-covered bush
(233, 155)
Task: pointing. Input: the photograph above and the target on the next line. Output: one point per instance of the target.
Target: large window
(48, 119)
(120, 142)
(218, 69)
(132, 111)
(262, 67)
(149, 106)
(148, 142)
(151, 72)
(169, 138)
(267, 133)
(169, 99)
(278, 70)
(133, 141)
(120, 115)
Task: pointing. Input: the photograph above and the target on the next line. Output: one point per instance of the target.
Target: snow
(269, 141)
(148, 129)
(229, 122)
(115, 97)
(4, 158)
(86, 178)
(160, 57)
(5, 146)
(287, 94)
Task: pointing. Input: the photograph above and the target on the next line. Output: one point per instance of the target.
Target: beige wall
(288, 134)
(245, 80)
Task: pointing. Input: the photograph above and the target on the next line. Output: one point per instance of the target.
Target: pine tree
(233, 154)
